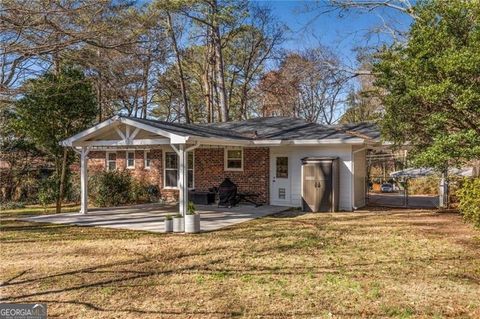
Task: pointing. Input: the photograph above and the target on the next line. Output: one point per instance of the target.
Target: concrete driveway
(150, 217)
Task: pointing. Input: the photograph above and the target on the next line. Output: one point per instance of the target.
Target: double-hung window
(130, 160)
(171, 170)
(234, 159)
(111, 161)
(148, 160)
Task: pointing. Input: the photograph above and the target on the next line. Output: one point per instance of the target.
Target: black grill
(227, 193)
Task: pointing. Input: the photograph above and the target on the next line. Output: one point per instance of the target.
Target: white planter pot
(192, 223)
(168, 225)
(178, 226)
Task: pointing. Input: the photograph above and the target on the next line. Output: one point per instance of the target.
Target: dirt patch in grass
(396, 263)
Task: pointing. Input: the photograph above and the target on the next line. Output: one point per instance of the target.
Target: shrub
(114, 188)
(72, 188)
(12, 205)
(423, 185)
(153, 192)
(469, 200)
(48, 191)
(138, 192)
(111, 188)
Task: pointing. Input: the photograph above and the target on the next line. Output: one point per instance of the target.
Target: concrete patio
(150, 217)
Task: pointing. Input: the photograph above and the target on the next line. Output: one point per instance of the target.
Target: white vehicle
(386, 188)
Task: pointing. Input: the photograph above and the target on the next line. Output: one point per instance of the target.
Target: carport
(121, 133)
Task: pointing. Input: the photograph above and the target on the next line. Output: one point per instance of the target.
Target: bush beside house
(113, 188)
(469, 200)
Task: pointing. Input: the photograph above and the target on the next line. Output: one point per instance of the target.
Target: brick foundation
(209, 170)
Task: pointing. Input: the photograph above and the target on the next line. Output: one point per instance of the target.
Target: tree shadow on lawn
(23, 232)
(186, 312)
(214, 262)
(133, 262)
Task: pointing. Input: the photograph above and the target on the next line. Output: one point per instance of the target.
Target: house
(263, 155)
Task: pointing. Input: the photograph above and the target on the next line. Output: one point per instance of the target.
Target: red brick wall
(97, 162)
(208, 172)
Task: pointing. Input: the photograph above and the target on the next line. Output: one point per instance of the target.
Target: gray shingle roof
(198, 130)
(287, 128)
(270, 128)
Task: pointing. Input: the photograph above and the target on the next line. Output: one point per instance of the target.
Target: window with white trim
(191, 163)
(147, 158)
(234, 159)
(111, 161)
(171, 170)
(130, 160)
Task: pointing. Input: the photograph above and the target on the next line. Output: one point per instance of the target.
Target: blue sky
(342, 33)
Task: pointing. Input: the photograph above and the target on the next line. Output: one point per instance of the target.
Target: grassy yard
(403, 264)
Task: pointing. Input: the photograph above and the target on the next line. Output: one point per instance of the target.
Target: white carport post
(182, 152)
(183, 179)
(84, 180)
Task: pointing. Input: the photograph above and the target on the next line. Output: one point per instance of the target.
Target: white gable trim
(79, 138)
(83, 134)
(174, 138)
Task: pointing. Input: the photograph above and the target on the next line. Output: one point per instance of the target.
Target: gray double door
(317, 189)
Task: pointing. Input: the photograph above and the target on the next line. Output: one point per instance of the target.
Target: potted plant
(168, 224)
(178, 226)
(192, 219)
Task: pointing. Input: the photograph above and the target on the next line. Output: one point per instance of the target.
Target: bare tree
(179, 65)
(310, 85)
(255, 42)
(33, 32)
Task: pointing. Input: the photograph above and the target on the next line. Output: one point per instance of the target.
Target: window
(171, 169)
(111, 161)
(148, 159)
(233, 159)
(190, 169)
(282, 167)
(130, 159)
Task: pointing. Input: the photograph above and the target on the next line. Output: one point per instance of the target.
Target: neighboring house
(262, 155)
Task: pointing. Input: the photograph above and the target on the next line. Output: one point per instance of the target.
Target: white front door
(280, 179)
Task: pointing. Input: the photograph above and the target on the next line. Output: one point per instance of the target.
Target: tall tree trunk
(61, 188)
(220, 75)
(216, 39)
(99, 90)
(243, 102)
(99, 96)
(207, 94)
(145, 89)
(207, 79)
(61, 182)
(179, 67)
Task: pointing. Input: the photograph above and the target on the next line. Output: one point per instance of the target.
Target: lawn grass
(401, 264)
(30, 210)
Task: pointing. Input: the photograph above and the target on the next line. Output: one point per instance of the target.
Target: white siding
(296, 153)
(359, 173)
